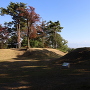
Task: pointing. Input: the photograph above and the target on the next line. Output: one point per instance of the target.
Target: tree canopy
(28, 30)
(3, 35)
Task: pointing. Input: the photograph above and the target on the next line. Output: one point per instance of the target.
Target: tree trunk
(18, 33)
(1, 45)
(28, 35)
(28, 43)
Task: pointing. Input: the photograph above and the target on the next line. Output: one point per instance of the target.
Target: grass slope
(30, 71)
(36, 53)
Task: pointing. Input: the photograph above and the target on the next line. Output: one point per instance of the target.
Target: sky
(74, 17)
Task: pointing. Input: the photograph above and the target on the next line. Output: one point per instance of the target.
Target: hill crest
(6, 54)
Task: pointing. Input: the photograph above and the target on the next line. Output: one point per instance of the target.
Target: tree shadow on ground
(31, 73)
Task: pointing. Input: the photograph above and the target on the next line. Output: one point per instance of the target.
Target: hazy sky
(74, 16)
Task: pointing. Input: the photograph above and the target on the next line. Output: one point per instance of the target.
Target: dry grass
(30, 70)
(7, 54)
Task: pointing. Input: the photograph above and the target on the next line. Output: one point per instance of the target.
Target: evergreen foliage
(24, 28)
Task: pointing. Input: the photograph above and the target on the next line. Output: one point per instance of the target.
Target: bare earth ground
(35, 69)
